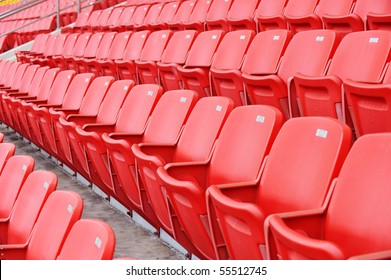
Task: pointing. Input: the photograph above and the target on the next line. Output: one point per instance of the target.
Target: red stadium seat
(7, 150)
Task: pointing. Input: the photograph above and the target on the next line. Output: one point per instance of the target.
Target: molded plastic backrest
(202, 128)
(362, 197)
(95, 94)
(200, 11)
(112, 103)
(268, 8)
(81, 44)
(103, 18)
(232, 49)
(119, 44)
(93, 19)
(19, 75)
(218, 9)
(140, 14)
(33, 195)
(89, 240)
(308, 53)
(61, 210)
(7, 150)
(49, 45)
(305, 157)
(203, 49)
(168, 12)
(82, 19)
(169, 115)
(138, 107)
(297, 8)
(334, 7)
(9, 76)
(12, 178)
(361, 56)
(59, 44)
(363, 7)
(39, 42)
(155, 45)
(135, 45)
(265, 51)
(153, 13)
(244, 141)
(104, 45)
(76, 91)
(178, 46)
(114, 16)
(46, 84)
(126, 16)
(93, 44)
(184, 11)
(28, 77)
(60, 86)
(240, 11)
(70, 44)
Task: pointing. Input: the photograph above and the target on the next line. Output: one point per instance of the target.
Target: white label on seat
(320, 38)
(150, 93)
(374, 40)
(242, 37)
(183, 99)
(88, 37)
(219, 108)
(126, 36)
(260, 119)
(276, 37)
(98, 242)
(106, 84)
(188, 36)
(160, 7)
(70, 208)
(226, 0)
(46, 185)
(143, 36)
(69, 76)
(208, 2)
(24, 167)
(214, 37)
(192, 4)
(100, 37)
(164, 36)
(145, 9)
(125, 88)
(87, 80)
(174, 6)
(321, 133)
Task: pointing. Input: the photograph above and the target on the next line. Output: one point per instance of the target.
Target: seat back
(60, 86)
(139, 15)
(204, 48)
(184, 11)
(82, 19)
(126, 16)
(104, 46)
(202, 128)
(33, 195)
(361, 196)
(244, 141)
(112, 103)
(7, 150)
(135, 45)
(363, 7)
(15, 84)
(81, 44)
(9, 77)
(169, 115)
(46, 83)
(49, 45)
(299, 8)
(92, 45)
(200, 11)
(118, 46)
(39, 43)
(76, 91)
(95, 95)
(114, 16)
(265, 52)
(296, 176)
(59, 44)
(153, 13)
(103, 18)
(334, 7)
(238, 11)
(178, 47)
(94, 17)
(137, 107)
(270, 9)
(218, 10)
(89, 239)
(61, 210)
(168, 12)
(27, 78)
(70, 44)
(12, 177)
(155, 45)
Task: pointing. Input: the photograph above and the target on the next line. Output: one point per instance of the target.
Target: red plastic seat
(182, 15)
(113, 18)
(194, 73)
(198, 16)
(166, 15)
(216, 18)
(123, 19)
(244, 141)
(282, 186)
(89, 239)
(70, 43)
(317, 46)
(269, 15)
(81, 21)
(60, 212)
(228, 59)
(6, 82)
(132, 119)
(78, 51)
(137, 18)
(89, 52)
(36, 189)
(7, 150)
(101, 20)
(14, 174)
(56, 51)
(126, 68)
(164, 126)
(150, 17)
(361, 196)
(195, 144)
(361, 57)
(242, 16)
(150, 54)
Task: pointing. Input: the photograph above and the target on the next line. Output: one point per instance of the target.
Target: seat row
(206, 173)
(312, 73)
(39, 222)
(228, 15)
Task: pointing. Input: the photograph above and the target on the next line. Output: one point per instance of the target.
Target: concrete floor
(133, 241)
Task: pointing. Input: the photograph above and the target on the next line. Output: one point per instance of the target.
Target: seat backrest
(12, 177)
(137, 107)
(244, 141)
(363, 7)
(114, 16)
(218, 10)
(139, 15)
(76, 91)
(202, 128)
(269, 8)
(118, 46)
(240, 11)
(46, 83)
(103, 17)
(33, 195)
(39, 43)
(265, 52)
(89, 239)
(299, 8)
(297, 176)
(153, 13)
(49, 46)
(184, 11)
(135, 45)
(70, 44)
(169, 115)
(82, 19)
(104, 46)
(19, 75)
(126, 16)
(60, 86)
(27, 78)
(361, 56)
(155, 45)
(179, 46)
(93, 19)
(95, 95)
(200, 11)
(9, 76)
(308, 53)
(7, 150)
(232, 49)
(59, 44)
(334, 7)
(361, 196)
(81, 44)
(113, 101)
(203, 49)
(93, 45)
(168, 12)
(60, 212)
(4, 72)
